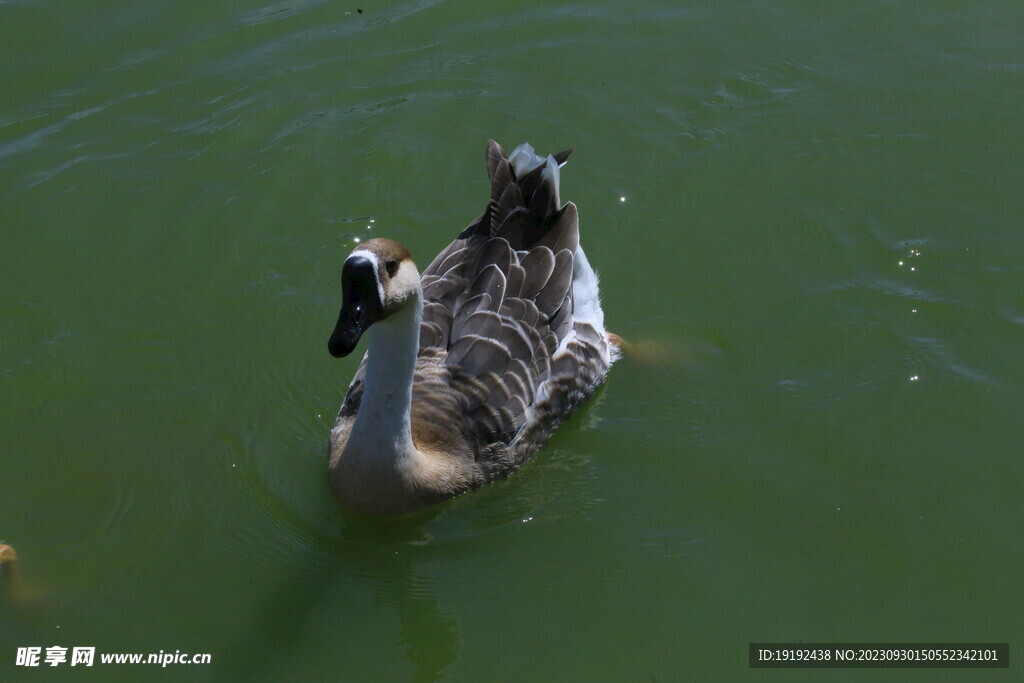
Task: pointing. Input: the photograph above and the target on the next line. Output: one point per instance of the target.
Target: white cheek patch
(403, 284)
(406, 280)
(372, 258)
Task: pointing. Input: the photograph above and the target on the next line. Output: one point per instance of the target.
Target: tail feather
(494, 154)
(525, 206)
(530, 167)
(545, 201)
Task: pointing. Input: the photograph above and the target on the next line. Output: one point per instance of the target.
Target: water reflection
(428, 633)
(327, 583)
(348, 595)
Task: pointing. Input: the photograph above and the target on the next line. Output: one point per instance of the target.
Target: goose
(472, 365)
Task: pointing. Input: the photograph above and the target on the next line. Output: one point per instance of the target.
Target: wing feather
(476, 355)
(491, 281)
(553, 293)
(538, 265)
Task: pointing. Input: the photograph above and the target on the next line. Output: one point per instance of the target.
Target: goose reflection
(386, 558)
(353, 597)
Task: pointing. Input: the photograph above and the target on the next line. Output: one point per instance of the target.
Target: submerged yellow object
(8, 572)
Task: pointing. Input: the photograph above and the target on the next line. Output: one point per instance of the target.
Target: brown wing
(498, 300)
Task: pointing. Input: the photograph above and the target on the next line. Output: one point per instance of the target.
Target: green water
(813, 210)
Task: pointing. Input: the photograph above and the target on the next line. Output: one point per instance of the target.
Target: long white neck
(382, 433)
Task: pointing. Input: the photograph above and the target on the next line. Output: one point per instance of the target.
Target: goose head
(378, 279)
